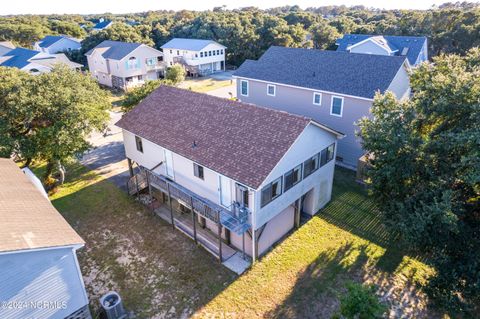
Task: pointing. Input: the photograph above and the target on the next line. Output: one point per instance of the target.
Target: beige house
(125, 65)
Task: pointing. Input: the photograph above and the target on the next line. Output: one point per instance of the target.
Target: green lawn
(203, 85)
(160, 272)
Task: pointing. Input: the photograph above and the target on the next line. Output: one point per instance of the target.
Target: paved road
(107, 157)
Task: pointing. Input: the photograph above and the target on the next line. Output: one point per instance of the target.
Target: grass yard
(162, 274)
(304, 275)
(204, 84)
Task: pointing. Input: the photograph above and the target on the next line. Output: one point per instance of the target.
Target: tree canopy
(425, 173)
(248, 32)
(48, 117)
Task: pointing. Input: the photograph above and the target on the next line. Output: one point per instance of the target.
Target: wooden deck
(205, 237)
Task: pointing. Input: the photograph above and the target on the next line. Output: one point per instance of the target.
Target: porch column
(194, 217)
(130, 167)
(297, 213)
(254, 246)
(243, 245)
(170, 204)
(219, 240)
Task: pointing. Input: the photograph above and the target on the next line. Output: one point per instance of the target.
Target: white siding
(400, 85)
(369, 47)
(41, 276)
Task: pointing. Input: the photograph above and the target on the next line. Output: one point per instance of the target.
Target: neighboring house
(35, 62)
(334, 88)
(6, 46)
(414, 48)
(199, 57)
(248, 171)
(102, 24)
(57, 43)
(39, 272)
(124, 65)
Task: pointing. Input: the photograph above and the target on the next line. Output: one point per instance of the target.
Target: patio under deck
(205, 237)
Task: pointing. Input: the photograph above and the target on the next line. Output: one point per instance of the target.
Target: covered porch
(205, 222)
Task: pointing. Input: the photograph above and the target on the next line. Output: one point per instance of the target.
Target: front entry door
(225, 191)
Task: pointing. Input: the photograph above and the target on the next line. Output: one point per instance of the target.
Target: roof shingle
(352, 74)
(115, 50)
(28, 219)
(187, 44)
(238, 140)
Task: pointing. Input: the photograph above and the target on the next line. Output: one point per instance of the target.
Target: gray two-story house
(335, 88)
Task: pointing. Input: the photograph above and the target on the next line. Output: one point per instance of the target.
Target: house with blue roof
(415, 49)
(57, 43)
(102, 24)
(334, 88)
(35, 62)
(124, 65)
(198, 56)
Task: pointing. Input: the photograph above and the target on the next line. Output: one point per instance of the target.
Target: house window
(132, 63)
(178, 52)
(317, 98)
(218, 52)
(310, 165)
(196, 55)
(271, 191)
(138, 142)
(292, 177)
(271, 89)
(140, 77)
(323, 157)
(221, 51)
(209, 53)
(198, 170)
(330, 152)
(337, 106)
(201, 54)
(213, 52)
(171, 51)
(244, 87)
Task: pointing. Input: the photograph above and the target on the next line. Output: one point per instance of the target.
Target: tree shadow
(316, 291)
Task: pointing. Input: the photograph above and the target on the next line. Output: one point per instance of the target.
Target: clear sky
(130, 6)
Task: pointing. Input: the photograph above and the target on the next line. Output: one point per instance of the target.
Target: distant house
(57, 43)
(199, 57)
(6, 46)
(248, 171)
(334, 88)
(125, 65)
(414, 48)
(102, 24)
(39, 272)
(35, 62)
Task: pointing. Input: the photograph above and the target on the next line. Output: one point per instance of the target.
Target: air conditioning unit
(113, 306)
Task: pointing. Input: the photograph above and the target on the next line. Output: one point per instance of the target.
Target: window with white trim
(271, 191)
(317, 98)
(337, 106)
(244, 87)
(271, 89)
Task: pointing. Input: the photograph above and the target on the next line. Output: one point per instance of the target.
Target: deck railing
(235, 220)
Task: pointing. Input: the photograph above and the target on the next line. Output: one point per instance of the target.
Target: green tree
(360, 302)
(324, 35)
(136, 95)
(50, 116)
(175, 74)
(425, 176)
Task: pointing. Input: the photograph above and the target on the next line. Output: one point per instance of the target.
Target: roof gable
(115, 50)
(360, 75)
(29, 220)
(414, 45)
(103, 24)
(49, 40)
(188, 44)
(238, 140)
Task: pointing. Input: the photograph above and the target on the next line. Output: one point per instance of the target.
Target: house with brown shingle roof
(39, 272)
(247, 171)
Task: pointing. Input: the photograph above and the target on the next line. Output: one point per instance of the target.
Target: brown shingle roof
(241, 141)
(27, 219)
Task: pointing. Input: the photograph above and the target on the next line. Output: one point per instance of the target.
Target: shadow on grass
(157, 270)
(316, 291)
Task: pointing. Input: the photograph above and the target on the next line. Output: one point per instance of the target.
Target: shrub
(361, 302)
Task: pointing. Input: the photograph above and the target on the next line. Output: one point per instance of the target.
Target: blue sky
(126, 6)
